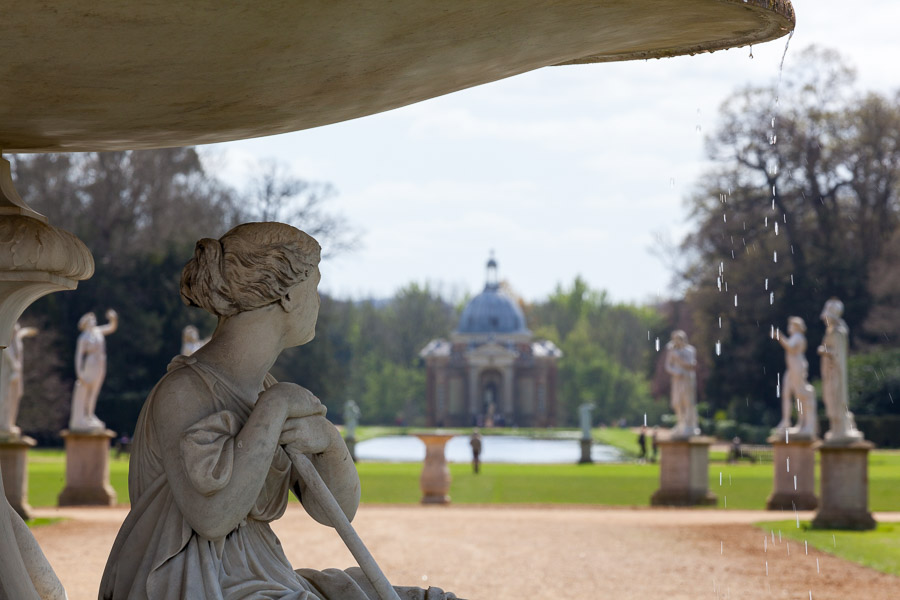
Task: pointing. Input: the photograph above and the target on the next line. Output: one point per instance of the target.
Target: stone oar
(340, 522)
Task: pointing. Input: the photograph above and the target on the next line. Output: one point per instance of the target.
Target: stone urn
(435, 479)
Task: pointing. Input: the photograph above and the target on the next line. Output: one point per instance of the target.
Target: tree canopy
(607, 360)
(140, 214)
(801, 205)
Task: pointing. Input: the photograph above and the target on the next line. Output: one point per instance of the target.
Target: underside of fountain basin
(86, 75)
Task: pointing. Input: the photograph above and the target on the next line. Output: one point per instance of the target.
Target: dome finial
(491, 280)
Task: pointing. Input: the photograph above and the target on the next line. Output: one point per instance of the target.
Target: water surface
(494, 449)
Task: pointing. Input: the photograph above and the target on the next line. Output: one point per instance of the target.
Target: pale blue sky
(561, 171)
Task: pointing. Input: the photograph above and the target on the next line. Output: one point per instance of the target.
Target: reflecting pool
(494, 449)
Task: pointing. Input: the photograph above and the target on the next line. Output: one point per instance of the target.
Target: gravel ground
(506, 552)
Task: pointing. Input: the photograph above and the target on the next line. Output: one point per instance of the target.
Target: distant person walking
(642, 443)
(475, 442)
(654, 443)
(735, 454)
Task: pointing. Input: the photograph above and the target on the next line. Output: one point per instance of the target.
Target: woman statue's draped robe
(157, 555)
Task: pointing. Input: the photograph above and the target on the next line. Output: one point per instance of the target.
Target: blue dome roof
(492, 311)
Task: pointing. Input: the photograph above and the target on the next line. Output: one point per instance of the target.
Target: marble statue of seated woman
(209, 470)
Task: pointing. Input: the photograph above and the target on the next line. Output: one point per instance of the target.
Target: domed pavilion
(491, 371)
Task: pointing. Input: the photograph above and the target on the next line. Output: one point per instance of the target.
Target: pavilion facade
(491, 371)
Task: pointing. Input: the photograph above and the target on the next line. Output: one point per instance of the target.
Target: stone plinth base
(586, 452)
(794, 480)
(684, 473)
(14, 465)
(87, 469)
(351, 447)
(844, 486)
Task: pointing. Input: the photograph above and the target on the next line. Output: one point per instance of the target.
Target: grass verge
(878, 549)
(41, 521)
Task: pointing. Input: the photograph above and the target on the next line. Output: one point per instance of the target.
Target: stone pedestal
(14, 466)
(87, 469)
(684, 473)
(351, 447)
(844, 489)
(794, 479)
(586, 452)
(435, 479)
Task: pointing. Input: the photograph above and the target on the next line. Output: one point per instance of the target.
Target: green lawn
(47, 476)
(879, 549)
(623, 439)
(738, 486)
(619, 485)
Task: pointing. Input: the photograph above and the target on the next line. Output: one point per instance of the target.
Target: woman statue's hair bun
(251, 266)
(203, 283)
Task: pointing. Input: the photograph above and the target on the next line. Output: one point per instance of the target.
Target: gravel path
(506, 552)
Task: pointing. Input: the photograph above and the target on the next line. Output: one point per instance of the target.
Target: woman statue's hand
(309, 435)
(300, 402)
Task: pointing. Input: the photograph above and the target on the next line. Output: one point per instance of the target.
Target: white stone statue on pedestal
(190, 340)
(351, 419)
(795, 385)
(12, 382)
(681, 365)
(835, 387)
(584, 418)
(90, 368)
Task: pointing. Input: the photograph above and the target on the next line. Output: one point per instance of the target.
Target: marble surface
(133, 74)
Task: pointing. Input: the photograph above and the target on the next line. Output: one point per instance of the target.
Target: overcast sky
(561, 171)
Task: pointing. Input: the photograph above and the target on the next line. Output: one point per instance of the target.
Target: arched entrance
(490, 392)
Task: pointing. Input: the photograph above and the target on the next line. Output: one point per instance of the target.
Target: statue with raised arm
(835, 387)
(220, 445)
(681, 365)
(190, 340)
(12, 381)
(795, 385)
(90, 369)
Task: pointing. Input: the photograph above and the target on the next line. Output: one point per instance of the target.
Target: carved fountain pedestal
(14, 468)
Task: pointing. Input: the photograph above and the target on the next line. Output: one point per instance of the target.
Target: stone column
(684, 473)
(508, 383)
(794, 485)
(14, 468)
(435, 479)
(473, 393)
(844, 486)
(440, 397)
(87, 469)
